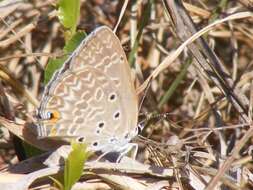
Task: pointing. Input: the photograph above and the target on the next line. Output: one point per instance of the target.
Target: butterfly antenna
(148, 117)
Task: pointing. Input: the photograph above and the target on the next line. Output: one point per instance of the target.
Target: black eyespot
(112, 97)
(80, 139)
(97, 131)
(49, 115)
(121, 58)
(101, 124)
(116, 115)
(95, 143)
(53, 115)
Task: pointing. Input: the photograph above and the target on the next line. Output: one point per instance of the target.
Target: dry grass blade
(169, 59)
(7, 77)
(121, 15)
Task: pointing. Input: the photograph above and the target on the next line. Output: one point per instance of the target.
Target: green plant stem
(175, 84)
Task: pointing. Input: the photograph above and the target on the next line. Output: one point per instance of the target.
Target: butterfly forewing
(104, 52)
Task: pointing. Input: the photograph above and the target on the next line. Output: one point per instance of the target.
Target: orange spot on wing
(55, 116)
(53, 132)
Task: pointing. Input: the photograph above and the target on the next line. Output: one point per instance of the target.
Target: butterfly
(91, 98)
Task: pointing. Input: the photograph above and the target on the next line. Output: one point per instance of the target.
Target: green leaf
(51, 67)
(69, 47)
(57, 183)
(68, 13)
(30, 150)
(73, 168)
(74, 42)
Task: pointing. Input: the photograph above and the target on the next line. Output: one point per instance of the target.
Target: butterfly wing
(92, 96)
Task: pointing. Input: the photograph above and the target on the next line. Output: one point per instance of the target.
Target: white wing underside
(94, 94)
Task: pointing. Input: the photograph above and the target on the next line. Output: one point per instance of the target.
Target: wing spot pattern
(112, 97)
(94, 112)
(99, 94)
(101, 124)
(116, 115)
(95, 144)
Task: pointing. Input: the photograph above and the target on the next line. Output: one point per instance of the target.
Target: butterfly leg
(131, 148)
(102, 155)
